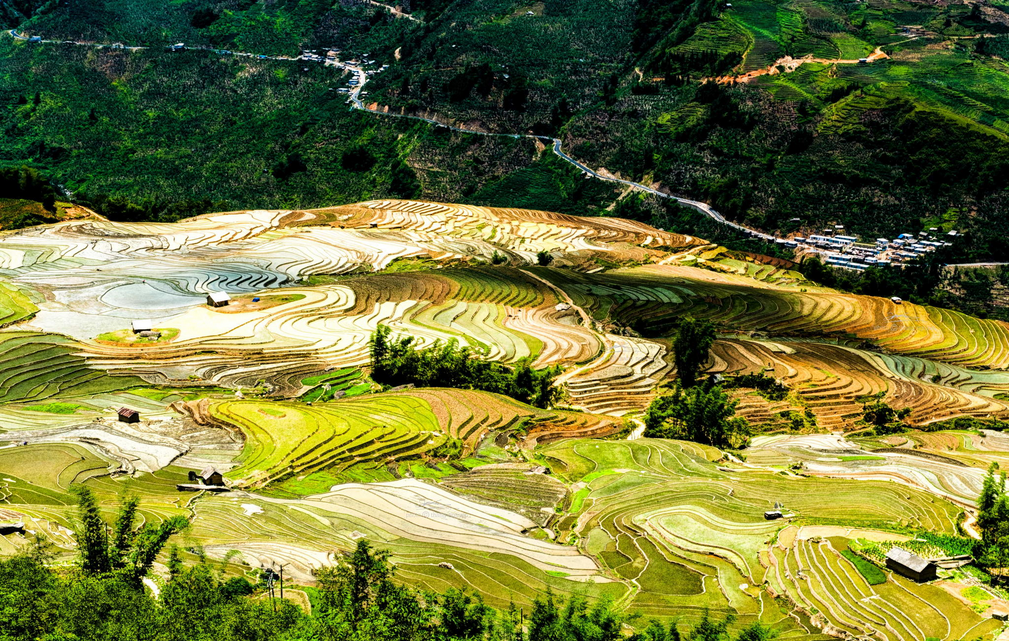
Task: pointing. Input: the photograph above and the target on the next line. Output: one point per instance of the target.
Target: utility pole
(282, 582)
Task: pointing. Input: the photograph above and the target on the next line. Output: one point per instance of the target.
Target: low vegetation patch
(55, 408)
(255, 303)
(872, 574)
(128, 337)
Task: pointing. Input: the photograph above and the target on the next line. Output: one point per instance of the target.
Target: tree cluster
(102, 596)
(128, 550)
(126, 209)
(702, 413)
(398, 361)
(882, 418)
(41, 602)
(25, 183)
(993, 521)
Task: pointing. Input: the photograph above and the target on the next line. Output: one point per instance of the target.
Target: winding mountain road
(362, 79)
(556, 147)
(357, 103)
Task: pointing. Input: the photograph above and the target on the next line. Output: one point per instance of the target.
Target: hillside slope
(914, 138)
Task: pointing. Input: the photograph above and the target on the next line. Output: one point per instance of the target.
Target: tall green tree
(993, 521)
(691, 347)
(131, 551)
(361, 602)
(703, 414)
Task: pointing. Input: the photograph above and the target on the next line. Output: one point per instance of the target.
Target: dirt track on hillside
(790, 64)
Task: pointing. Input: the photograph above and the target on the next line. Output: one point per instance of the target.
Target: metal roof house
(218, 299)
(141, 326)
(910, 565)
(126, 415)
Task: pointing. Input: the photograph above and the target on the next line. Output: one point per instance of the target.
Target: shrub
(767, 386)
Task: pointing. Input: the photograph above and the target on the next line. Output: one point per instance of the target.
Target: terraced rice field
(828, 455)
(816, 577)
(830, 379)
(535, 499)
(513, 486)
(691, 534)
(974, 449)
(36, 367)
(657, 294)
(292, 440)
(35, 481)
(97, 276)
(503, 312)
(422, 524)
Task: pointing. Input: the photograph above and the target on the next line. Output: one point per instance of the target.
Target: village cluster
(840, 250)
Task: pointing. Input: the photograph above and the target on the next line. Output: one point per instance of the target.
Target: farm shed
(126, 415)
(12, 528)
(218, 299)
(910, 565)
(209, 476)
(772, 515)
(141, 326)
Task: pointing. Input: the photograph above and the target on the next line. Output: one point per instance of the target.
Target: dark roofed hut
(218, 299)
(126, 415)
(209, 476)
(12, 528)
(910, 565)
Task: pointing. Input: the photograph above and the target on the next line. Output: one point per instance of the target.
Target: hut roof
(219, 297)
(142, 325)
(126, 412)
(908, 560)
